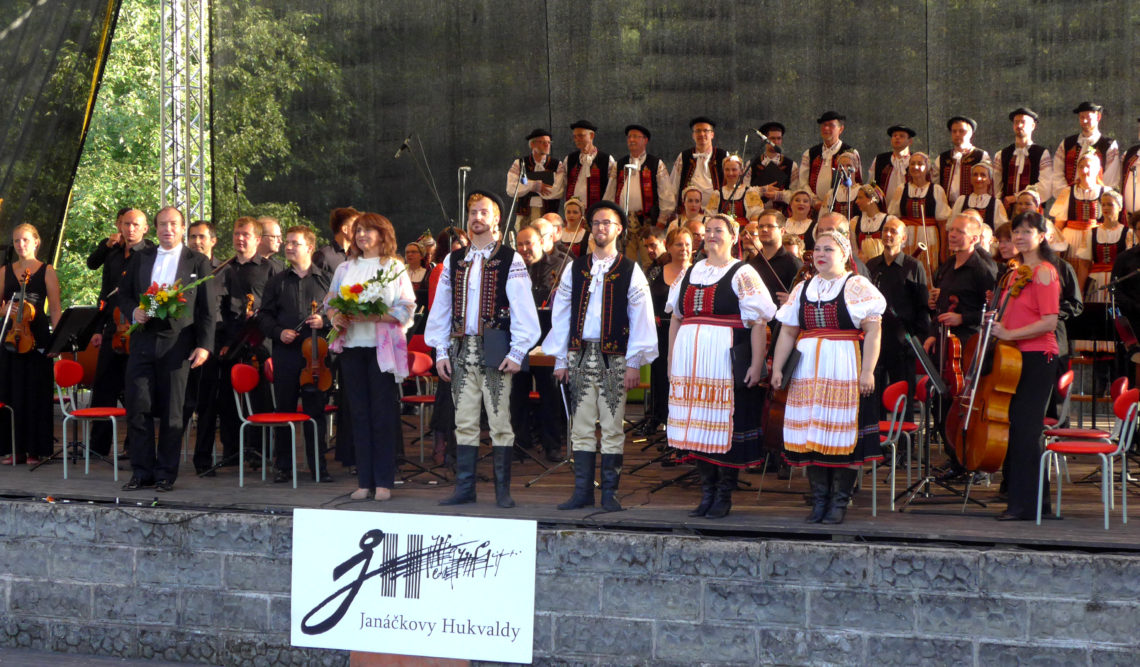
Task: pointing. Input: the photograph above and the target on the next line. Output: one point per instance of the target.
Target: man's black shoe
(281, 477)
(137, 483)
(325, 477)
(164, 485)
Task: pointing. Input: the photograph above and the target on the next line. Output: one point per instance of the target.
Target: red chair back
(891, 394)
(920, 391)
(1064, 383)
(267, 368)
(67, 373)
(1118, 387)
(418, 344)
(243, 378)
(1124, 401)
(419, 364)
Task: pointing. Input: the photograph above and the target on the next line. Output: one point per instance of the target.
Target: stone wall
(214, 588)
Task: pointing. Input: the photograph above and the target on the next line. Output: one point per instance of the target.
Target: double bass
(776, 402)
(977, 426)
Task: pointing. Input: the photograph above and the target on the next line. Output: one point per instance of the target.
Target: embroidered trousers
(598, 395)
(475, 386)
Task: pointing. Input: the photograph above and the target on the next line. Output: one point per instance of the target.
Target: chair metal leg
(293, 434)
(241, 455)
(66, 419)
(1041, 472)
(86, 447)
(115, 447)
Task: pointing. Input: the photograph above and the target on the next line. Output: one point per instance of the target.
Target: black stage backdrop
(51, 57)
(471, 78)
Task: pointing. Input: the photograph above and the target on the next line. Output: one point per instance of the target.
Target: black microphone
(403, 147)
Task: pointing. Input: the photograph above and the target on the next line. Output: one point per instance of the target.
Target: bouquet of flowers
(363, 299)
(165, 302)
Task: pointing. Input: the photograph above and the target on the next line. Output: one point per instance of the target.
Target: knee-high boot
(819, 479)
(502, 459)
(583, 482)
(842, 485)
(611, 474)
(725, 484)
(465, 458)
(707, 472)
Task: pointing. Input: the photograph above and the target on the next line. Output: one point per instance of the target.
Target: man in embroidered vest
(702, 165)
(586, 172)
(602, 334)
(771, 170)
(952, 167)
(819, 162)
(1022, 164)
(535, 196)
(482, 325)
(888, 170)
(651, 196)
(1065, 159)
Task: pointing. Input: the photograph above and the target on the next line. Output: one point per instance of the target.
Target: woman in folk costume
(575, 235)
(921, 205)
(867, 228)
(719, 310)
(981, 197)
(734, 197)
(831, 423)
(800, 223)
(1077, 209)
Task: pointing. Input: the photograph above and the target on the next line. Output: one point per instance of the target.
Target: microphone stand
(425, 173)
(514, 199)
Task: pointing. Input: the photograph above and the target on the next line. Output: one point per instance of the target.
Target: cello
(315, 349)
(950, 354)
(977, 426)
(776, 401)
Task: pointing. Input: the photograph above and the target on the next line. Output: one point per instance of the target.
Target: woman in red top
(1028, 322)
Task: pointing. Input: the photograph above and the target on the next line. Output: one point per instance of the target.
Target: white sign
(411, 584)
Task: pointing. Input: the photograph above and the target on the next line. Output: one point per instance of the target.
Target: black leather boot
(842, 485)
(725, 484)
(707, 472)
(465, 458)
(583, 482)
(819, 479)
(502, 458)
(611, 474)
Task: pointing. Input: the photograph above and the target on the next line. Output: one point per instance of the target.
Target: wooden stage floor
(777, 512)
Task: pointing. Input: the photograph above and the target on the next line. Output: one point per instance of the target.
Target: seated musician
(1029, 322)
(290, 316)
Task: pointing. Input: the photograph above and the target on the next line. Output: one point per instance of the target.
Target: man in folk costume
(702, 165)
(772, 171)
(952, 167)
(1089, 115)
(1023, 163)
(820, 163)
(482, 310)
(536, 198)
(888, 170)
(586, 172)
(602, 333)
(651, 196)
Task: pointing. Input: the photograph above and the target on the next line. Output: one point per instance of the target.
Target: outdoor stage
(202, 574)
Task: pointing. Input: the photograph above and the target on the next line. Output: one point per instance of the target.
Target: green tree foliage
(119, 166)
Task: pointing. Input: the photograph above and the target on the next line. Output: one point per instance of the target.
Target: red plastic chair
(244, 378)
(420, 369)
(1057, 429)
(68, 375)
(1064, 390)
(894, 401)
(1124, 408)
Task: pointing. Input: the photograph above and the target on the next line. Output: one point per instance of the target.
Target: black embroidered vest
(613, 293)
(494, 309)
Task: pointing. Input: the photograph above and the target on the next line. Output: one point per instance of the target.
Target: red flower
(153, 289)
(356, 289)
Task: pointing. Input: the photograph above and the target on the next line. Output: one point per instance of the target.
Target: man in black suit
(163, 351)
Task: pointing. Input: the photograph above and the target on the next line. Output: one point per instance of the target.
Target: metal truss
(185, 110)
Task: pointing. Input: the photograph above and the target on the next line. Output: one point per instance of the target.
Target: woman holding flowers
(370, 304)
(25, 379)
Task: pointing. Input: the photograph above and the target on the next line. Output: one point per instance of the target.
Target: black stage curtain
(51, 59)
(471, 78)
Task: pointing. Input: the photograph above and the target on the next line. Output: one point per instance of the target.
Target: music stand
(72, 334)
(937, 388)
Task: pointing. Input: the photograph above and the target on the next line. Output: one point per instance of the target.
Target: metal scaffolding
(185, 110)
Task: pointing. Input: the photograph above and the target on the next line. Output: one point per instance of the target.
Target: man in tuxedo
(163, 351)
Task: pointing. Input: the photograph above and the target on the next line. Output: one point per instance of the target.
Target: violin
(315, 349)
(950, 355)
(977, 426)
(121, 340)
(19, 338)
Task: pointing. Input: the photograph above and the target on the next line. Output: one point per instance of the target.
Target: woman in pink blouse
(1029, 320)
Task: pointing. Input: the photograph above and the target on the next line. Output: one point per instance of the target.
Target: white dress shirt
(165, 268)
(701, 177)
(524, 318)
(641, 348)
